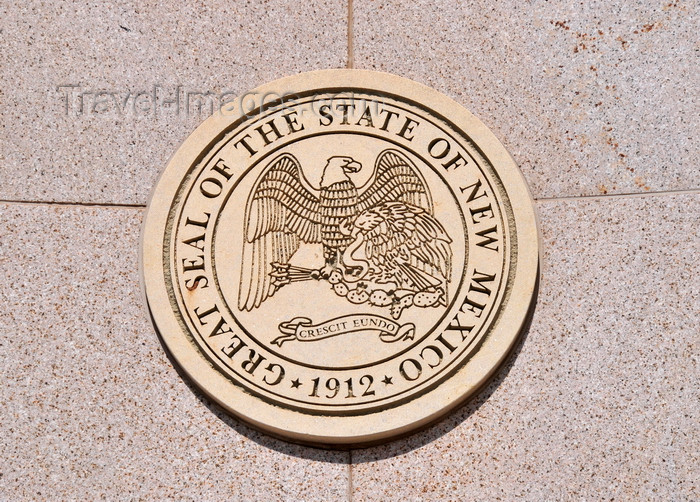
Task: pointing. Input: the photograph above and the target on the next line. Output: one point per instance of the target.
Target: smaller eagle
(397, 243)
(383, 231)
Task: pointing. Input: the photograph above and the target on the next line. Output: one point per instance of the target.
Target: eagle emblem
(381, 242)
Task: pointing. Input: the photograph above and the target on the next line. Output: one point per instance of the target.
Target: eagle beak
(352, 166)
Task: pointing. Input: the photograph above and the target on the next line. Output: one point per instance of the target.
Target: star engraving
(296, 383)
(387, 380)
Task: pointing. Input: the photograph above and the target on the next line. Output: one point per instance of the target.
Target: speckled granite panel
(601, 400)
(91, 406)
(589, 97)
(114, 149)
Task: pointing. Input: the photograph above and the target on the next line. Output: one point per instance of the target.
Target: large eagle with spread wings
(383, 231)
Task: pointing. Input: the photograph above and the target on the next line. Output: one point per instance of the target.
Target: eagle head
(337, 170)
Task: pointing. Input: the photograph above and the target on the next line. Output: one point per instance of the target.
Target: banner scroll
(303, 329)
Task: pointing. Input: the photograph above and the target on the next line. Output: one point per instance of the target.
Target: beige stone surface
(590, 98)
(599, 401)
(113, 153)
(92, 407)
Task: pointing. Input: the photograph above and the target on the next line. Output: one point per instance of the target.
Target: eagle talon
(323, 273)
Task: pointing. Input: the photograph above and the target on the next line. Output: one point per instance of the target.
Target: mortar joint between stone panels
(350, 36)
(629, 195)
(350, 486)
(73, 204)
(537, 199)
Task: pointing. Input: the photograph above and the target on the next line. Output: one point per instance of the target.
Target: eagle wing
(406, 241)
(395, 179)
(280, 214)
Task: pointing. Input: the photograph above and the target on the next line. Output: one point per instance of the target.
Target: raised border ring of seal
(340, 257)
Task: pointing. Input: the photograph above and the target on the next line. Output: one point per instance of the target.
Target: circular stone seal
(340, 257)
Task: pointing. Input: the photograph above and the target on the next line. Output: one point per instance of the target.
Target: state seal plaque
(340, 257)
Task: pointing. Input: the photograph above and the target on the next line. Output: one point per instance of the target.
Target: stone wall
(596, 101)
